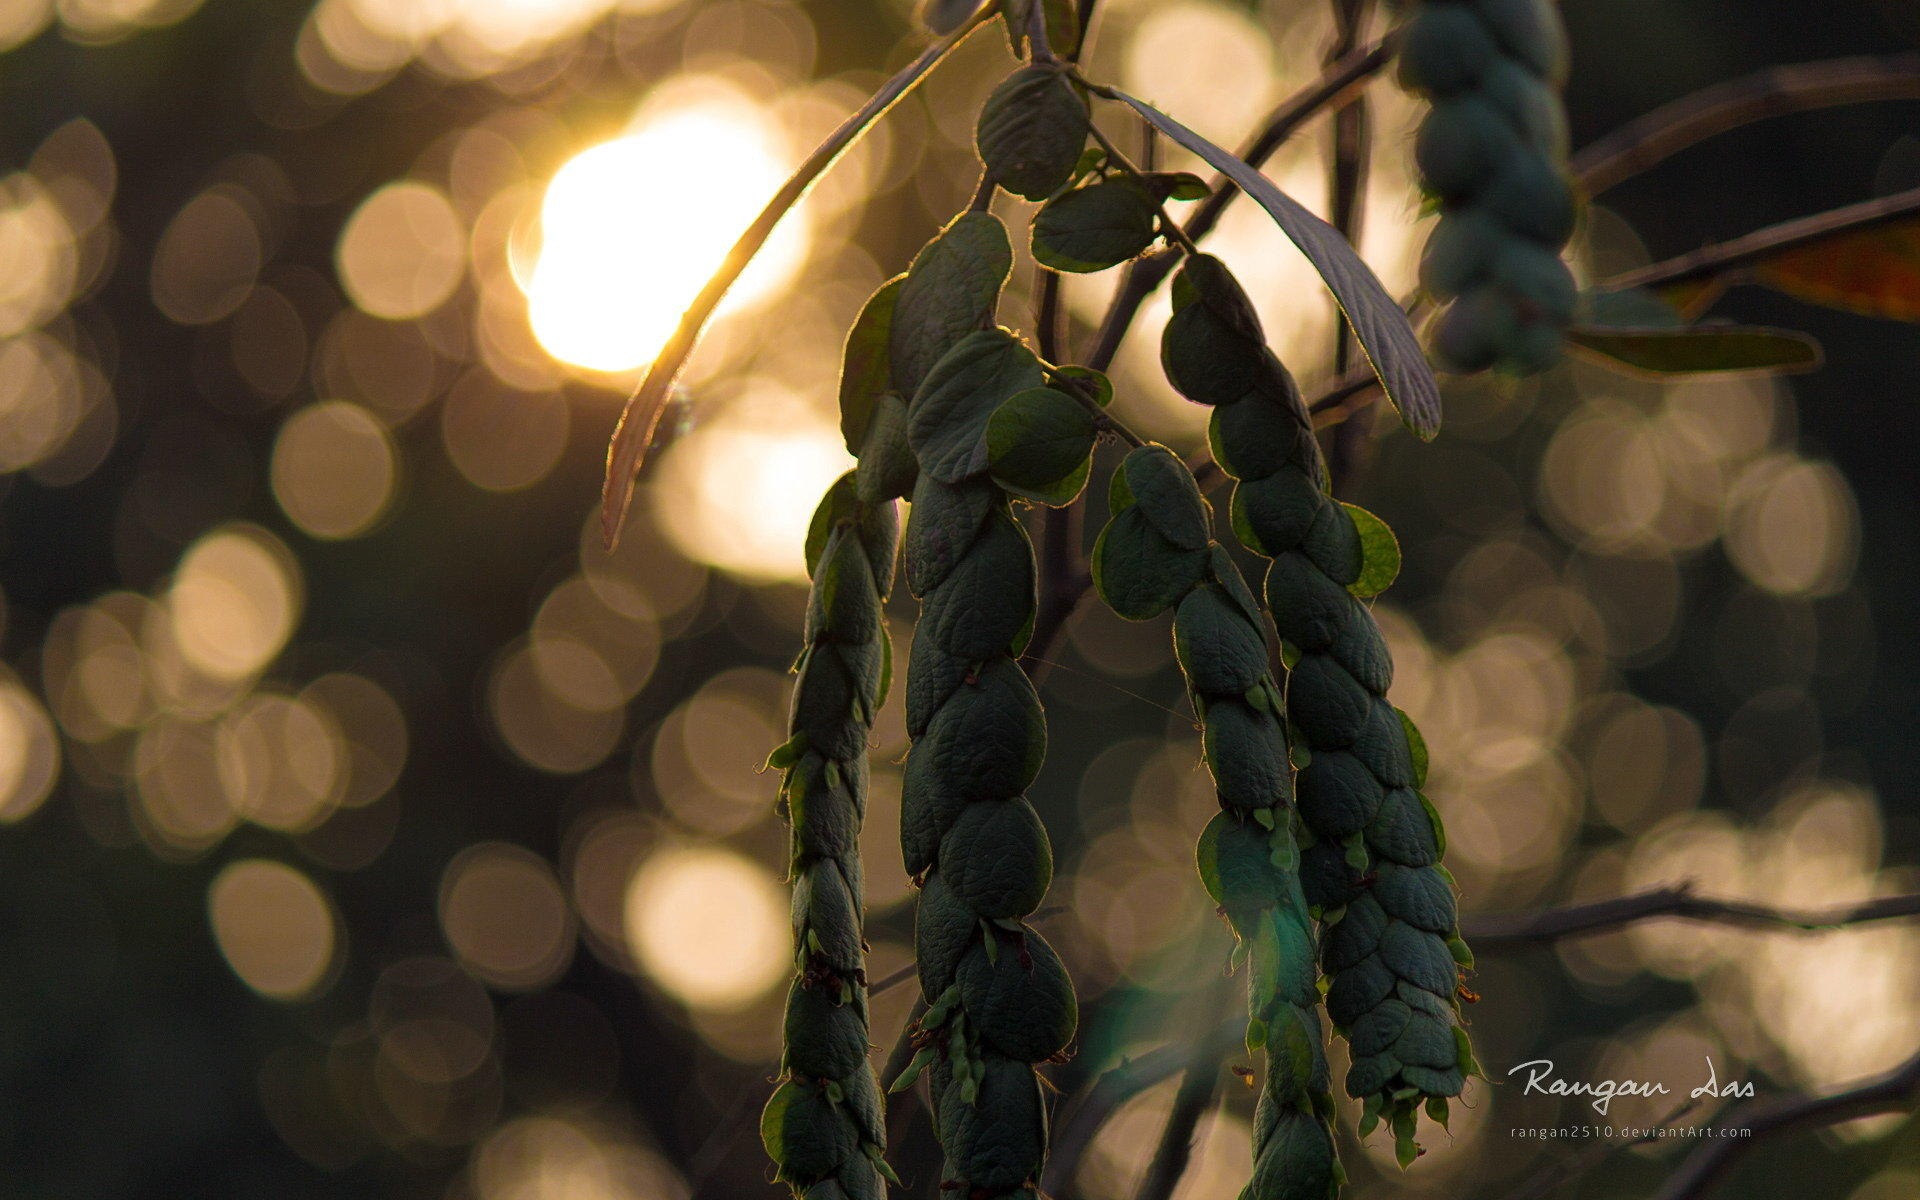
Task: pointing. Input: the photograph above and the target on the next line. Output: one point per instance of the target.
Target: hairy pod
(1155, 552)
(1370, 868)
(999, 999)
(1493, 151)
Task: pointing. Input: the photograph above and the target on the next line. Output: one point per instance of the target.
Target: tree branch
(1083, 1116)
(1679, 901)
(1352, 149)
(1893, 1091)
(1776, 91)
(1198, 1087)
(1724, 257)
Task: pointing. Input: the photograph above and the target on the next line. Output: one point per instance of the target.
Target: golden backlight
(631, 228)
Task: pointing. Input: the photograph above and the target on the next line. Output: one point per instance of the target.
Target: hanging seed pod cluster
(1324, 856)
(1390, 950)
(1493, 152)
(1157, 552)
(824, 1125)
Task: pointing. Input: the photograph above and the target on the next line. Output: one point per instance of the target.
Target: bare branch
(1582, 920)
(1198, 1087)
(1725, 257)
(1894, 1091)
(1083, 1116)
(1776, 91)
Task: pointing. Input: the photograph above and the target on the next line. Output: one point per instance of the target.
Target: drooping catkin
(999, 998)
(1157, 552)
(1493, 149)
(1372, 870)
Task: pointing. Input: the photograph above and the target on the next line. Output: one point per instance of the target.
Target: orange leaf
(1875, 272)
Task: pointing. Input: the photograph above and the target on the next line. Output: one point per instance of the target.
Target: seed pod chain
(1493, 149)
(999, 998)
(1372, 870)
(1156, 552)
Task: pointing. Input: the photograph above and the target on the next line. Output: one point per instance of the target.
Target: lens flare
(631, 229)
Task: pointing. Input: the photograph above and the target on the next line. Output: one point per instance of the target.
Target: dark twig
(1894, 1091)
(1198, 1087)
(1724, 257)
(1084, 1115)
(1776, 91)
(1679, 901)
(1352, 140)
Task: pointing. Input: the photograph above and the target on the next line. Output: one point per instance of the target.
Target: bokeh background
(366, 830)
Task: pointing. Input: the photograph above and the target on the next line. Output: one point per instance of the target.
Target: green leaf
(865, 375)
(950, 292)
(1416, 748)
(1378, 322)
(1095, 227)
(1031, 131)
(839, 506)
(947, 420)
(1381, 564)
(1168, 496)
(1699, 349)
(1038, 442)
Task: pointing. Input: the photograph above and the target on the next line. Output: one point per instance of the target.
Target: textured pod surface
(1370, 862)
(999, 999)
(1248, 854)
(1493, 151)
(823, 1126)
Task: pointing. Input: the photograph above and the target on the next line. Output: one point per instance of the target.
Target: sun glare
(631, 228)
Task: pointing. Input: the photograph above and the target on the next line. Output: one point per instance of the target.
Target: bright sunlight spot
(631, 228)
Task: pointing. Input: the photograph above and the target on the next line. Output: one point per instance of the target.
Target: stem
(1581, 920)
(1146, 274)
(1352, 137)
(1893, 1091)
(634, 433)
(1723, 257)
(1776, 91)
(1198, 1087)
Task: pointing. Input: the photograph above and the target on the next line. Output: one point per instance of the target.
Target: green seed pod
(999, 1000)
(823, 1126)
(1373, 857)
(1247, 854)
(1493, 149)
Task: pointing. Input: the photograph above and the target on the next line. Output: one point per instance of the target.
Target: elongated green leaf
(1378, 322)
(1699, 349)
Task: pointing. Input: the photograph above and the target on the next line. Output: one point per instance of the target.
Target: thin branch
(1724, 257)
(1146, 274)
(634, 433)
(1198, 1087)
(1776, 91)
(1084, 1115)
(1679, 901)
(1894, 1091)
(1352, 149)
